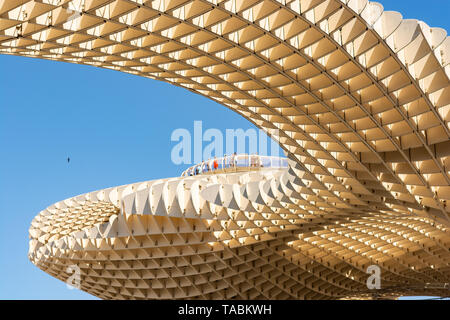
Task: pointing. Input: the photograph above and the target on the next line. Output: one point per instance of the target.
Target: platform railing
(234, 163)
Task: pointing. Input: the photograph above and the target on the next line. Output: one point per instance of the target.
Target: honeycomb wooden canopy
(360, 99)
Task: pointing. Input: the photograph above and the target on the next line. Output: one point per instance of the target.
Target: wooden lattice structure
(360, 99)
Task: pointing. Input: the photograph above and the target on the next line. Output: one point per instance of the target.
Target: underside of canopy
(358, 98)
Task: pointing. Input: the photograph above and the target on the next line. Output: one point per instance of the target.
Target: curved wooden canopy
(360, 98)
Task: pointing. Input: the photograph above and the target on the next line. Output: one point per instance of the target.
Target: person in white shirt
(233, 160)
(203, 167)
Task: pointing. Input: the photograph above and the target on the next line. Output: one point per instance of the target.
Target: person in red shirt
(216, 164)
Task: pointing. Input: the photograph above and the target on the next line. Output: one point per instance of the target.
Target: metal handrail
(236, 161)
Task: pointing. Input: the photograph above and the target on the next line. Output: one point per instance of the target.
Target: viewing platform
(236, 163)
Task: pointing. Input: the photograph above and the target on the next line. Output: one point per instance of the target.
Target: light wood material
(361, 100)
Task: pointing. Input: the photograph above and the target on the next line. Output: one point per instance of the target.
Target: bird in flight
(68, 159)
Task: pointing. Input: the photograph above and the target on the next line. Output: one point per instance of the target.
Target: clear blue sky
(116, 129)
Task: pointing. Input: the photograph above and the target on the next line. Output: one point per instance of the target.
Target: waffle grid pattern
(359, 98)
